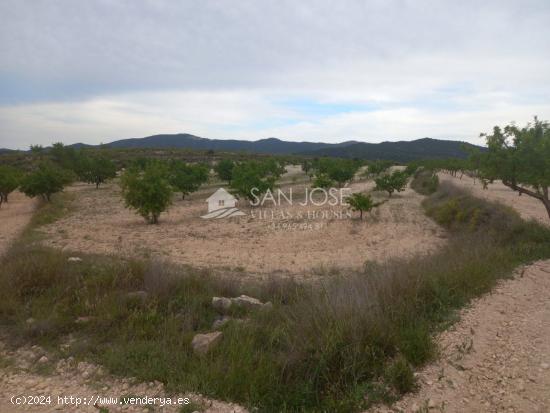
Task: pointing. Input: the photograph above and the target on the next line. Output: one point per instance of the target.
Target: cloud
(315, 69)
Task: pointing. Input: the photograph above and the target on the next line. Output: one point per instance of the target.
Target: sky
(370, 70)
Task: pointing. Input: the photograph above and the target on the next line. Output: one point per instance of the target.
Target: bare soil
(313, 240)
(14, 216)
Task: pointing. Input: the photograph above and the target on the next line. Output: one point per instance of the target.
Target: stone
(219, 322)
(74, 259)
(247, 302)
(545, 366)
(431, 404)
(43, 360)
(221, 304)
(202, 343)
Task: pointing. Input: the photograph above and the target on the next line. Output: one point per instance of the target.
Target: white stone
(202, 343)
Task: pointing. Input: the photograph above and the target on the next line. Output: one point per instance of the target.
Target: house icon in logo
(221, 204)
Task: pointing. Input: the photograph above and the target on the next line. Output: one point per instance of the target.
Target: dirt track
(14, 215)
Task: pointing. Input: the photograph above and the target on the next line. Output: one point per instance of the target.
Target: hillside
(187, 141)
(401, 151)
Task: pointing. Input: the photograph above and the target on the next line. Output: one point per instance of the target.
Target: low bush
(425, 182)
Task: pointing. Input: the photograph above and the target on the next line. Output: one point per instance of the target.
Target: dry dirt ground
(14, 215)
(253, 244)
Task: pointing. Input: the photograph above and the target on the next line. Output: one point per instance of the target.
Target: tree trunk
(361, 214)
(547, 205)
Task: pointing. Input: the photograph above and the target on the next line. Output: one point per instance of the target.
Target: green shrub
(425, 182)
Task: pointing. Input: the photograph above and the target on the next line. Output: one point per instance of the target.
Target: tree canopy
(520, 158)
(147, 191)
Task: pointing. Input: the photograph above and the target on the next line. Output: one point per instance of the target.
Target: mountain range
(401, 151)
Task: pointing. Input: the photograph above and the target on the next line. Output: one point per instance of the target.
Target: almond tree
(520, 158)
(362, 203)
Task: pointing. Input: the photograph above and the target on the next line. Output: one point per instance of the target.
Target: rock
(202, 343)
(74, 259)
(415, 408)
(247, 302)
(219, 322)
(138, 296)
(43, 360)
(431, 404)
(268, 305)
(545, 366)
(30, 321)
(221, 304)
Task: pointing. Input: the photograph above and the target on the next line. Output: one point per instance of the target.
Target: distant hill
(401, 151)
(270, 145)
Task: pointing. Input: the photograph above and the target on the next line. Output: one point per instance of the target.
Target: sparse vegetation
(322, 347)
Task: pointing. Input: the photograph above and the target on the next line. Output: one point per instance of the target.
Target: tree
(391, 183)
(362, 203)
(224, 170)
(306, 167)
(322, 181)
(251, 179)
(520, 158)
(9, 181)
(377, 167)
(148, 192)
(45, 181)
(187, 178)
(96, 170)
(338, 170)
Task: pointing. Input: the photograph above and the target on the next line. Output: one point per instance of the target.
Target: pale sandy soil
(528, 207)
(14, 215)
(297, 245)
